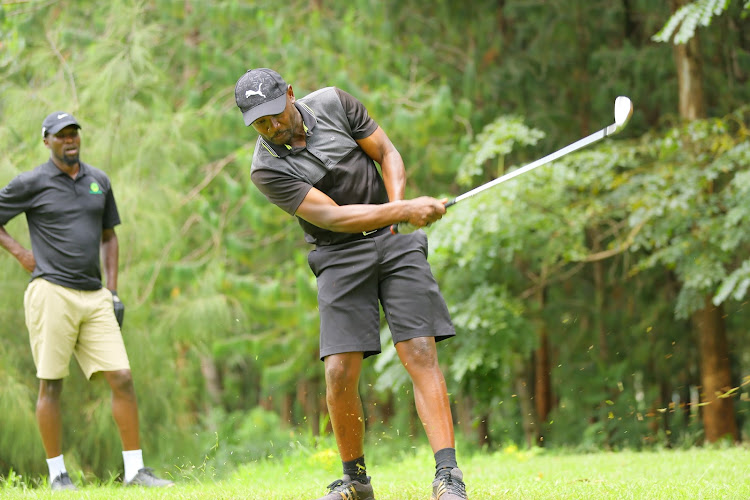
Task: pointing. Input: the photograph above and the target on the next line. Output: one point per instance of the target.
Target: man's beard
(70, 159)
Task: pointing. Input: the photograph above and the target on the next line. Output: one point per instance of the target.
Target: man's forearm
(24, 256)
(110, 260)
(10, 244)
(358, 218)
(319, 209)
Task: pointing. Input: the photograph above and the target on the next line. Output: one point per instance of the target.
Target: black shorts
(391, 269)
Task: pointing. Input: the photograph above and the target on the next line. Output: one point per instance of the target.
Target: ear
(46, 141)
(290, 93)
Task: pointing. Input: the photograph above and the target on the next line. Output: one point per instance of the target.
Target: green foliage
(496, 140)
(667, 204)
(243, 437)
(683, 23)
(692, 204)
(735, 285)
(16, 404)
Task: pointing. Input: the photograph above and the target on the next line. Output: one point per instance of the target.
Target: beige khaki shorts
(63, 321)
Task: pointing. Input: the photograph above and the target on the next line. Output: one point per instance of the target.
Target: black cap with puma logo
(260, 92)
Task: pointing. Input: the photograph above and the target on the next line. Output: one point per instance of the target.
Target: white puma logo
(248, 93)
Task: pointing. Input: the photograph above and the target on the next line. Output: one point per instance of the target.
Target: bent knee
(419, 353)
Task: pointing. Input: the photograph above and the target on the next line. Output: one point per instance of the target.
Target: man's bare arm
(319, 209)
(110, 258)
(23, 255)
(380, 148)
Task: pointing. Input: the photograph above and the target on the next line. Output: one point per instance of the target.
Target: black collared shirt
(65, 217)
(331, 161)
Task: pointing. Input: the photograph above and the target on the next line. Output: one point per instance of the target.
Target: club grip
(406, 228)
(403, 228)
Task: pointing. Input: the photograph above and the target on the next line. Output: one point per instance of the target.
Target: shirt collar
(52, 169)
(308, 121)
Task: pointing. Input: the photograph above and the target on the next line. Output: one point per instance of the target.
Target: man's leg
(49, 419)
(124, 407)
(344, 404)
(419, 357)
(348, 422)
(125, 413)
(48, 416)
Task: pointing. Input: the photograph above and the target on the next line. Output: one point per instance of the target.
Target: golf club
(623, 112)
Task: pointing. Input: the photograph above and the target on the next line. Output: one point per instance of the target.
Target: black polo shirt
(331, 161)
(65, 218)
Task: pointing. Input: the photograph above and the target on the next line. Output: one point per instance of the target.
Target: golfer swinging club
(315, 158)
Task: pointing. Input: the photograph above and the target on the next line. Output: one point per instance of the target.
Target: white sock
(133, 463)
(56, 467)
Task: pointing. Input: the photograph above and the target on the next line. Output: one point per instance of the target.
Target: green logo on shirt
(94, 188)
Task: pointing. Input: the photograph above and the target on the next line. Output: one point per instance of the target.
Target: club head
(623, 111)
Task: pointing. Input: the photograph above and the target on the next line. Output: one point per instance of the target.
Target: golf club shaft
(405, 227)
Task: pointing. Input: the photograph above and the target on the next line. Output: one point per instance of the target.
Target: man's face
(278, 129)
(64, 145)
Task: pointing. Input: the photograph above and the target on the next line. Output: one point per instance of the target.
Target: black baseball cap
(57, 121)
(260, 92)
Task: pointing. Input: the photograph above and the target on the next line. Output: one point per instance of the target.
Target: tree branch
(619, 249)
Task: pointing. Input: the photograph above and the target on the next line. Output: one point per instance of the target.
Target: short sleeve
(14, 199)
(110, 217)
(362, 125)
(282, 190)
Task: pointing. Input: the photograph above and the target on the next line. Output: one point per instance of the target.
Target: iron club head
(623, 111)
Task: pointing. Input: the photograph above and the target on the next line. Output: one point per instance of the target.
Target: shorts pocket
(312, 261)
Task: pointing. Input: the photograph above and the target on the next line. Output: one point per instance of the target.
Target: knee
(49, 390)
(121, 381)
(420, 354)
(340, 377)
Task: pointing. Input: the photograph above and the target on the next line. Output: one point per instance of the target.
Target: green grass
(509, 474)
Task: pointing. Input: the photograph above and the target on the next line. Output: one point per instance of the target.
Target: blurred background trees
(601, 301)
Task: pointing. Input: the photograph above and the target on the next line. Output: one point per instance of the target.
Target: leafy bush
(242, 437)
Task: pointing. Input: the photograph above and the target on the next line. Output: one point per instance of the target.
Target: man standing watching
(71, 215)
(315, 158)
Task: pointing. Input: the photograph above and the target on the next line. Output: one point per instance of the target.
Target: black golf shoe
(449, 485)
(348, 489)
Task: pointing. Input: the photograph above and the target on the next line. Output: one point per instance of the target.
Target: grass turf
(508, 474)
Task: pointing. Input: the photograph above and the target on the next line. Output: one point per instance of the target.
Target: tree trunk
(689, 75)
(718, 412)
(542, 383)
(185, 419)
(287, 409)
(716, 380)
(528, 412)
(464, 416)
(542, 374)
(600, 293)
(484, 431)
(307, 398)
(213, 380)
(633, 26)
